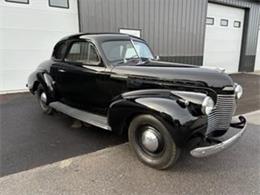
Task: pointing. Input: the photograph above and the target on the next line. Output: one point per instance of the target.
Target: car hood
(176, 73)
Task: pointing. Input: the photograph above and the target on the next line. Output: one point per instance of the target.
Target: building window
(18, 1)
(223, 22)
(134, 32)
(209, 21)
(237, 24)
(59, 3)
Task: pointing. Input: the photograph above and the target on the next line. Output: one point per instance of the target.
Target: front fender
(180, 120)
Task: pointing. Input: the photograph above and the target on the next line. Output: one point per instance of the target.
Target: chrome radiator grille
(220, 117)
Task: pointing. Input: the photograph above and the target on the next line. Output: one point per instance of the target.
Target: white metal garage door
(224, 29)
(257, 60)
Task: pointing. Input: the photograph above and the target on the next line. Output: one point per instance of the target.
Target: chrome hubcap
(43, 101)
(150, 140)
(43, 97)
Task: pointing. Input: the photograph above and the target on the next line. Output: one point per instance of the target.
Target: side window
(93, 56)
(83, 52)
(130, 53)
(78, 52)
(59, 51)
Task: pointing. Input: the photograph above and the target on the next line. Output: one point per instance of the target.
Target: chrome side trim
(87, 117)
(213, 149)
(119, 77)
(194, 97)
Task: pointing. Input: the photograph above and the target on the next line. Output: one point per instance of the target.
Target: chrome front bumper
(205, 151)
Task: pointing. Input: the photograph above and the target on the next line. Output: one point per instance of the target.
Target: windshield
(117, 51)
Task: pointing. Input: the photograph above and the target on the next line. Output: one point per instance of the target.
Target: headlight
(238, 91)
(207, 105)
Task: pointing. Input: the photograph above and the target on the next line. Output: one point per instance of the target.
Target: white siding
(28, 33)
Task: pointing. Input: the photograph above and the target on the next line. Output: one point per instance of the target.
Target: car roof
(104, 36)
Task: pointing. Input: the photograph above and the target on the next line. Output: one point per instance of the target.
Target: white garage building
(223, 33)
(28, 31)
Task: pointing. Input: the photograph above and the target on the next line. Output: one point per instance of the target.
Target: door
(257, 58)
(78, 76)
(223, 38)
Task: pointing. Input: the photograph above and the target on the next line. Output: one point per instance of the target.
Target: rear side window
(59, 51)
(83, 52)
(78, 52)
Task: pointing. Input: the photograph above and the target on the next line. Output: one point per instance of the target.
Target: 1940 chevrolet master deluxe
(114, 81)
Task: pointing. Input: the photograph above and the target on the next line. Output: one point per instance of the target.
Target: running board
(87, 117)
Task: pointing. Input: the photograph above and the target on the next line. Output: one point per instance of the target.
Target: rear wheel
(152, 142)
(42, 99)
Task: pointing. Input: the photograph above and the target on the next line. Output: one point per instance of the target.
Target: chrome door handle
(61, 70)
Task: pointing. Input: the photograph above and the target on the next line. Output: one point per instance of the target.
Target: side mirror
(157, 57)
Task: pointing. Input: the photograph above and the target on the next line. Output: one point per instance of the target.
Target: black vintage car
(114, 81)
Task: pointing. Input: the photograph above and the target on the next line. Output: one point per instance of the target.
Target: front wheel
(42, 99)
(152, 142)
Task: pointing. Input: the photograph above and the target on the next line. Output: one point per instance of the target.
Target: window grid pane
(209, 21)
(18, 1)
(223, 22)
(237, 24)
(59, 3)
